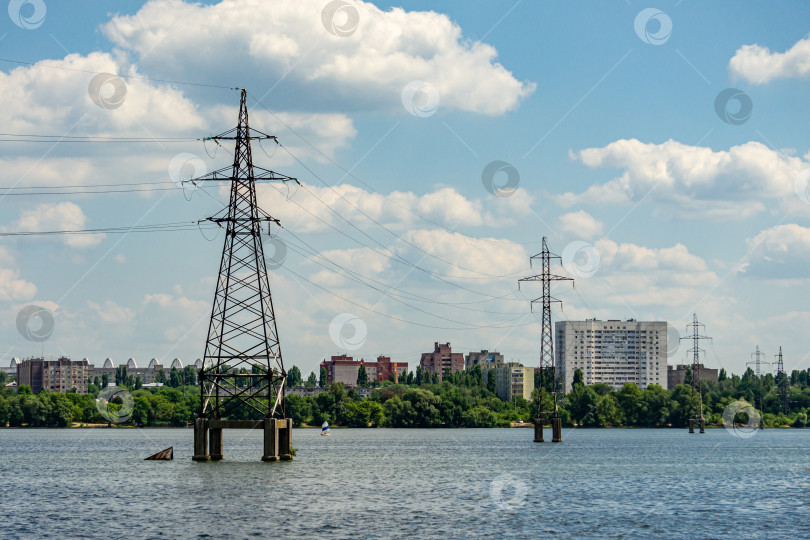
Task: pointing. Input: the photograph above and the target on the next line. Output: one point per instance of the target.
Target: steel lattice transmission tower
(757, 362)
(243, 372)
(696, 415)
(547, 363)
(782, 383)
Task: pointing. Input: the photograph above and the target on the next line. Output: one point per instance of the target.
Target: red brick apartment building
(442, 358)
(344, 369)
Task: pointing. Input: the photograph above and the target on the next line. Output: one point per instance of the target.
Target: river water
(386, 483)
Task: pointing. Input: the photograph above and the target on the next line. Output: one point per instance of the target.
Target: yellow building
(512, 380)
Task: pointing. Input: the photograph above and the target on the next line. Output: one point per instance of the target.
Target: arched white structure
(198, 363)
(14, 362)
(152, 363)
(131, 364)
(176, 363)
(108, 363)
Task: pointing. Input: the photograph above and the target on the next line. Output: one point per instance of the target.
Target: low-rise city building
(344, 369)
(677, 374)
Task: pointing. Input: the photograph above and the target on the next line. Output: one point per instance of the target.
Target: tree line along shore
(460, 400)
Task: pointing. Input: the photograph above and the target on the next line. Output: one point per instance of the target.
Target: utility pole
(696, 416)
(783, 383)
(547, 362)
(242, 343)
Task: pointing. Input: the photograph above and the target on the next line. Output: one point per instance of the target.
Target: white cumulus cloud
(758, 65)
(285, 49)
(64, 216)
(700, 182)
(580, 224)
(781, 252)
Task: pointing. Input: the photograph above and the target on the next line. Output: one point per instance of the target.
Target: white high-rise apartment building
(613, 352)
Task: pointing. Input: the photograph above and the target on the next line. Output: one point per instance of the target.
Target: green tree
(425, 404)
(298, 408)
(364, 413)
(399, 413)
(105, 381)
(59, 410)
(322, 380)
(140, 411)
(174, 378)
(579, 378)
(362, 376)
(294, 378)
(491, 383)
(312, 380)
(630, 400)
(160, 377)
(479, 417)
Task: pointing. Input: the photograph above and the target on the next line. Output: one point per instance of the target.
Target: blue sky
(616, 140)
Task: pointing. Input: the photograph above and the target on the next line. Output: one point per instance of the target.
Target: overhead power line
(134, 77)
(158, 227)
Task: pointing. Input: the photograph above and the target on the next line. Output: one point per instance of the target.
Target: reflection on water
(390, 483)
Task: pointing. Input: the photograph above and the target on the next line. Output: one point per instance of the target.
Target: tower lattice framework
(782, 383)
(243, 371)
(696, 337)
(547, 362)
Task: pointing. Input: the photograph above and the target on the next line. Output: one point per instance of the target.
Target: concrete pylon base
(215, 444)
(277, 439)
(556, 430)
(538, 430)
(200, 440)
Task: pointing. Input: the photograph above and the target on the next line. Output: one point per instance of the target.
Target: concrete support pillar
(691, 425)
(703, 425)
(538, 430)
(215, 443)
(200, 440)
(284, 438)
(270, 440)
(556, 430)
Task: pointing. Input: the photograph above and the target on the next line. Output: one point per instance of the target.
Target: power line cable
(135, 77)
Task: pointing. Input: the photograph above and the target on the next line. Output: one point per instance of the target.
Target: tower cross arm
(226, 174)
(539, 277)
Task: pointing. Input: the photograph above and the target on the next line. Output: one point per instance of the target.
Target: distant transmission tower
(547, 363)
(242, 377)
(757, 362)
(783, 383)
(697, 408)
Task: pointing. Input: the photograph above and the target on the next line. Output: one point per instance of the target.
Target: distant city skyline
(663, 152)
